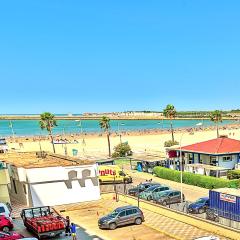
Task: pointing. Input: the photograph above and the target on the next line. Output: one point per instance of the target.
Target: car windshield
(200, 200)
(113, 214)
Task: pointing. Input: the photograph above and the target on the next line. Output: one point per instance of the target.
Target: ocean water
(31, 127)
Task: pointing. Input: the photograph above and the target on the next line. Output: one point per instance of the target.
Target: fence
(214, 215)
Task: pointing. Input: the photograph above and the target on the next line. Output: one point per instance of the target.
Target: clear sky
(87, 56)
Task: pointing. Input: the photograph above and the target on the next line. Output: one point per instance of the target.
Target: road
(81, 232)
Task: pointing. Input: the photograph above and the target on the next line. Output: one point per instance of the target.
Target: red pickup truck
(42, 222)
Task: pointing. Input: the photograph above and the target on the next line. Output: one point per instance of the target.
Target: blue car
(200, 206)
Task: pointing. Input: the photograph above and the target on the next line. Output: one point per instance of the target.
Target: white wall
(227, 164)
(47, 185)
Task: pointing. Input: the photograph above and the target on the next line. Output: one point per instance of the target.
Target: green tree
(170, 113)
(48, 122)
(121, 150)
(216, 117)
(105, 126)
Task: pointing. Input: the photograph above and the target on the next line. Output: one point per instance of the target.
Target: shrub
(195, 179)
(233, 174)
(122, 150)
(170, 143)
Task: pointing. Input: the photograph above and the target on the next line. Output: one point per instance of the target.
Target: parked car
(121, 216)
(200, 206)
(6, 223)
(10, 236)
(149, 193)
(5, 209)
(169, 197)
(140, 188)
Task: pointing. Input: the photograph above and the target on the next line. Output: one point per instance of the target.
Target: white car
(208, 238)
(5, 210)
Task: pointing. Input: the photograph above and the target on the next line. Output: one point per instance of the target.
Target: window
(171, 194)
(122, 214)
(14, 185)
(227, 158)
(2, 209)
(129, 212)
(134, 211)
(177, 194)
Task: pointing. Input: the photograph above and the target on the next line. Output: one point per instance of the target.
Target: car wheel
(201, 210)
(149, 198)
(138, 221)
(164, 203)
(112, 226)
(6, 229)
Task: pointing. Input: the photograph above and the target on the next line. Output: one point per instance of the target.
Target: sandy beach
(95, 145)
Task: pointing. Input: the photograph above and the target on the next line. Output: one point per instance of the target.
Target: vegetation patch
(195, 179)
(233, 174)
(170, 143)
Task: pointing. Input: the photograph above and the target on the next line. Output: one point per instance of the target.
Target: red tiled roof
(215, 146)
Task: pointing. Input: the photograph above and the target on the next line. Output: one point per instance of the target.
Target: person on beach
(73, 231)
(67, 227)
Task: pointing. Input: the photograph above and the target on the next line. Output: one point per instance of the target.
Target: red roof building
(218, 146)
(213, 157)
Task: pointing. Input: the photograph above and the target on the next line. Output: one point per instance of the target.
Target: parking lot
(155, 226)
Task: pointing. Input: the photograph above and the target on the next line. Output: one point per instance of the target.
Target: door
(170, 198)
(122, 218)
(131, 216)
(176, 197)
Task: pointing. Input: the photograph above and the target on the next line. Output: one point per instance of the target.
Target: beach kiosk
(212, 158)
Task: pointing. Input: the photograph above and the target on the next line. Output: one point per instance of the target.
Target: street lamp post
(181, 167)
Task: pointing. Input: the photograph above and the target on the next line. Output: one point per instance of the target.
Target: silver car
(121, 216)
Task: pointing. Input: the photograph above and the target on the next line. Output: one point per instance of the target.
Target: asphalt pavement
(81, 232)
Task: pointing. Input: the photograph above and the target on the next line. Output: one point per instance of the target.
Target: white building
(50, 179)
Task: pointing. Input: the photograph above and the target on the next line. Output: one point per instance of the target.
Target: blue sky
(88, 56)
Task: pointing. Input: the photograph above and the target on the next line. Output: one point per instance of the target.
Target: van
(112, 174)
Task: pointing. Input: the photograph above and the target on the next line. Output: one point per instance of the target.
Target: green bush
(122, 150)
(170, 143)
(195, 179)
(233, 174)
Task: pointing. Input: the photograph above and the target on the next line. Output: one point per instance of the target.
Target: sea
(32, 128)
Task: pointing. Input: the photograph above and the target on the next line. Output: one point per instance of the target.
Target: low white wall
(63, 185)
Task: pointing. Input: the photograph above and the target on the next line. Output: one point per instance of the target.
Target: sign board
(228, 198)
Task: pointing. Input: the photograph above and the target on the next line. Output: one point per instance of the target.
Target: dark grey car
(121, 216)
(169, 197)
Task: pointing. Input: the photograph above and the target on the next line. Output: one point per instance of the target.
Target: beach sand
(96, 145)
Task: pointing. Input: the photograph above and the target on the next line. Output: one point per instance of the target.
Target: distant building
(38, 179)
(213, 158)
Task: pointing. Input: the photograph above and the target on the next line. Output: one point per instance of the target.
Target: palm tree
(170, 112)
(105, 125)
(216, 117)
(48, 122)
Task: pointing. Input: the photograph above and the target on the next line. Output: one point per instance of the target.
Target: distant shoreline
(113, 117)
(142, 132)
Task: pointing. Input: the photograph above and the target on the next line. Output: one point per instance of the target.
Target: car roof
(204, 198)
(125, 208)
(171, 191)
